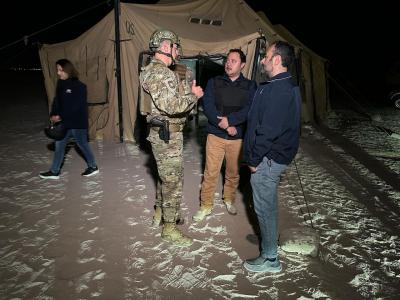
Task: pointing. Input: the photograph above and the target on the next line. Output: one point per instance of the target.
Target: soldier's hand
(197, 90)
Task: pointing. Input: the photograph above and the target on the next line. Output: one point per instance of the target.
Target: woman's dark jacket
(70, 103)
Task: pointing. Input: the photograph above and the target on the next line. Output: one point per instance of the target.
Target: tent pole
(118, 68)
(256, 55)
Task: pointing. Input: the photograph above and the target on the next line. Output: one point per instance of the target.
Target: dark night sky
(360, 42)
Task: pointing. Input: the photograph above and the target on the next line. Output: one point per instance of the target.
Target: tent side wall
(92, 53)
(321, 88)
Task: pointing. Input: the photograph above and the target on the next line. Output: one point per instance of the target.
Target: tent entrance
(201, 68)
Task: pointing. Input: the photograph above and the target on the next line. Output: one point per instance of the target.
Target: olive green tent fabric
(205, 27)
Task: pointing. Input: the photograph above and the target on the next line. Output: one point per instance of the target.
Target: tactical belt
(172, 128)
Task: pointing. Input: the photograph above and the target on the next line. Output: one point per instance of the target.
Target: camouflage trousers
(169, 159)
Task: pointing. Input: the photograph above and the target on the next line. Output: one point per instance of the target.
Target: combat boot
(173, 235)
(179, 219)
(157, 217)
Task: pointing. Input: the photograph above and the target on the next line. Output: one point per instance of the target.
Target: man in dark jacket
(226, 103)
(271, 143)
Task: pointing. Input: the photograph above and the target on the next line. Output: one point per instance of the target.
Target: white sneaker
(231, 208)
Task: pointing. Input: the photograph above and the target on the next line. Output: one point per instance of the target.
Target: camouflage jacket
(171, 97)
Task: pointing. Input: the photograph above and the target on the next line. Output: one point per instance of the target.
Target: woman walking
(70, 107)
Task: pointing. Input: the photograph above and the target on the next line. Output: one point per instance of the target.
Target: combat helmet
(160, 35)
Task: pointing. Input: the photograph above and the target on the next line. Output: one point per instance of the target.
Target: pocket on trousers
(262, 165)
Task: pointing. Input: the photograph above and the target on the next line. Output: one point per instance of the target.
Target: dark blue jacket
(70, 103)
(236, 119)
(273, 126)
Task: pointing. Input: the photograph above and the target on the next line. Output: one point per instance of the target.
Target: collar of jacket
(226, 77)
(280, 76)
(157, 61)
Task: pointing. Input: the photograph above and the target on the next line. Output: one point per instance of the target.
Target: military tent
(206, 27)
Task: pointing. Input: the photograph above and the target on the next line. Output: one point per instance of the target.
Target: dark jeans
(80, 136)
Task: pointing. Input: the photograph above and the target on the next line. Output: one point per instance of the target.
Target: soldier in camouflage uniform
(171, 99)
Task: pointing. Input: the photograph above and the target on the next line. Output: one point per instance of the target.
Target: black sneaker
(90, 171)
(49, 175)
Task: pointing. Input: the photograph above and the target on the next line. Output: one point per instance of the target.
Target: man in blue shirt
(271, 143)
(226, 103)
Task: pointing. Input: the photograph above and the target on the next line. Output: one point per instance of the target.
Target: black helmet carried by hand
(55, 131)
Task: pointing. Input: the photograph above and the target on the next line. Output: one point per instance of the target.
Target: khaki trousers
(216, 150)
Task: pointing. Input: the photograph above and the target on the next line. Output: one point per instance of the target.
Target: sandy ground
(90, 238)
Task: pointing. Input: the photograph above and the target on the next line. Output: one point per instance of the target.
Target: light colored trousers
(216, 150)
